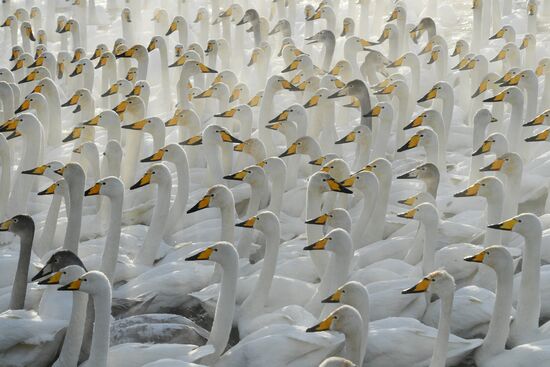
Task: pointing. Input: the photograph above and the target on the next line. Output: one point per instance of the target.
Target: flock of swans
(274, 183)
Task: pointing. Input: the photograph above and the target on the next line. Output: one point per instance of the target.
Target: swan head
(320, 95)
(253, 175)
(250, 16)
(183, 117)
(47, 169)
(100, 49)
(337, 168)
(255, 101)
(528, 41)
(218, 196)
(511, 95)
(36, 74)
(126, 15)
(23, 124)
(26, 31)
(302, 145)
(381, 167)
(286, 43)
(59, 260)
(32, 101)
(439, 282)
(266, 222)
(310, 84)
(337, 362)
(215, 134)
(542, 136)
(340, 68)
(427, 213)
(59, 187)
(104, 119)
(297, 63)
(348, 27)
(335, 241)
(476, 62)
(425, 118)
(171, 153)
(202, 15)
(323, 182)
(41, 47)
(390, 31)
(222, 253)
(343, 319)
(282, 25)
(155, 43)
(421, 197)
(398, 87)
(132, 104)
(490, 81)
(461, 47)
(105, 58)
(324, 36)
(137, 51)
(178, 22)
(330, 82)
(239, 91)
(351, 293)
(407, 59)
(71, 172)
(273, 166)
(509, 163)
(109, 186)
(322, 160)
(156, 174)
(336, 218)
(426, 171)
(509, 50)
(183, 57)
(60, 23)
(364, 181)
(523, 79)
(495, 142)
(382, 110)
(16, 52)
(508, 32)
(360, 134)
(356, 88)
(256, 55)
(24, 59)
(21, 225)
(10, 21)
(79, 97)
(441, 90)
(252, 146)
(42, 59)
(526, 224)
(93, 282)
(508, 75)
(278, 83)
(82, 66)
(70, 25)
(425, 24)
(87, 149)
(323, 11)
(296, 112)
(399, 13)
(543, 67)
(497, 257)
(357, 44)
(151, 125)
(423, 137)
(226, 76)
(64, 275)
(487, 187)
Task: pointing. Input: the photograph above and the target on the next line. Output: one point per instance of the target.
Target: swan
(529, 44)
(108, 120)
(11, 22)
(73, 26)
(543, 69)
(427, 138)
(251, 16)
(107, 62)
(179, 24)
(75, 178)
(325, 12)
(48, 89)
(60, 191)
(400, 89)
(357, 88)
(138, 52)
(326, 37)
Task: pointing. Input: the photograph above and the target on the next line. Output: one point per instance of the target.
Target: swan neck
(112, 241)
(74, 222)
(439, 356)
(70, 350)
(228, 224)
(19, 288)
(428, 252)
(101, 336)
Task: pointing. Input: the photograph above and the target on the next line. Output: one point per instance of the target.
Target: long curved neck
(329, 53)
(114, 131)
(228, 223)
(494, 215)
(354, 341)
(19, 289)
(381, 140)
(375, 230)
(70, 350)
(8, 104)
(358, 229)
(54, 109)
(143, 64)
(99, 350)
(439, 356)
(428, 253)
(528, 308)
(182, 193)
(532, 100)
(5, 181)
(266, 110)
(74, 222)
(277, 191)
(499, 326)
(513, 185)
(112, 241)
(313, 210)
(212, 154)
(182, 34)
(154, 236)
(364, 101)
(514, 128)
(50, 225)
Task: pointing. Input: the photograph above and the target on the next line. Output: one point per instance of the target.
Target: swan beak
(477, 258)
(38, 171)
(375, 112)
(500, 56)
(255, 101)
(524, 43)
(24, 106)
(13, 135)
(419, 287)
(172, 29)
(429, 96)
(242, 21)
(531, 9)
(393, 16)
(239, 176)
(94, 190)
(484, 148)
(15, 53)
(397, 63)
(315, 16)
(347, 139)
(412, 143)
(365, 43)
(495, 166)
(157, 156)
(206, 94)
(333, 298)
(317, 162)
(410, 201)
(50, 190)
(293, 66)
(407, 175)
(387, 90)
(498, 98)
(194, 140)
(339, 84)
(128, 53)
(337, 187)
(138, 125)
(384, 36)
(341, 93)
(29, 78)
(238, 147)
(72, 286)
(542, 136)
(313, 101)
(470, 65)
(228, 113)
(66, 28)
(93, 122)
(235, 95)
(292, 149)
(249, 223)
(143, 181)
(54, 279)
(205, 69)
(72, 101)
(228, 138)
(121, 107)
(201, 204)
(539, 70)
(408, 214)
(322, 326)
(513, 81)
(203, 255)
(415, 123)
(345, 30)
(136, 91)
(335, 70)
(288, 86)
(5, 226)
(539, 120)
(30, 34)
(38, 62)
(113, 89)
(9, 125)
(457, 50)
(319, 245)
(470, 191)
(60, 171)
(179, 62)
(46, 270)
(97, 53)
(320, 220)
(482, 88)
(77, 70)
(507, 225)
(102, 62)
(349, 182)
(498, 35)
(152, 46)
(283, 116)
(75, 134)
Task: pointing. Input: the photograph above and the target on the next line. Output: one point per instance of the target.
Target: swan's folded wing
(26, 327)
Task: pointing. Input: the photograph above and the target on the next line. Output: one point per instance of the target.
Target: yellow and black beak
(38, 62)
(143, 181)
(387, 90)
(77, 70)
(374, 112)
(194, 140)
(319, 245)
(512, 81)
(341, 93)
(393, 16)
(292, 66)
(498, 35)
(29, 78)
(498, 98)
(482, 88)
(397, 63)
(495, 166)
(429, 96)
(419, 287)
(337, 187)
(255, 101)
(322, 326)
(318, 161)
(10, 125)
(121, 107)
(408, 215)
(333, 298)
(53, 279)
(235, 95)
(152, 45)
(283, 116)
(227, 114)
(238, 176)
(93, 122)
(289, 86)
(205, 94)
(539, 70)
(228, 138)
(38, 171)
(66, 28)
(24, 106)
(157, 156)
(315, 16)
(113, 89)
(484, 148)
(410, 201)
(202, 255)
(320, 220)
(542, 136)
(470, 191)
(349, 182)
(201, 204)
(349, 138)
(249, 223)
(507, 225)
(50, 190)
(75, 134)
(412, 143)
(136, 91)
(206, 70)
(60, 171)
(128, 53)
(539, 120)
(239, 147)
(173, 27)
(312, 102)
(72, 286)
(72, 101)
(138, 125)
(94, 190)
(291, 150)
(5, 226)
(179, 61)
(500, 56)
(415, 123)
(477, 258)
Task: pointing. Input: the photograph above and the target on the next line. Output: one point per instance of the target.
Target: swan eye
(519, 220)
(324, 179)
(153, 172)
(103, 183)
(64, 272)
(215, 250)
(85, 279)
(482, 184)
